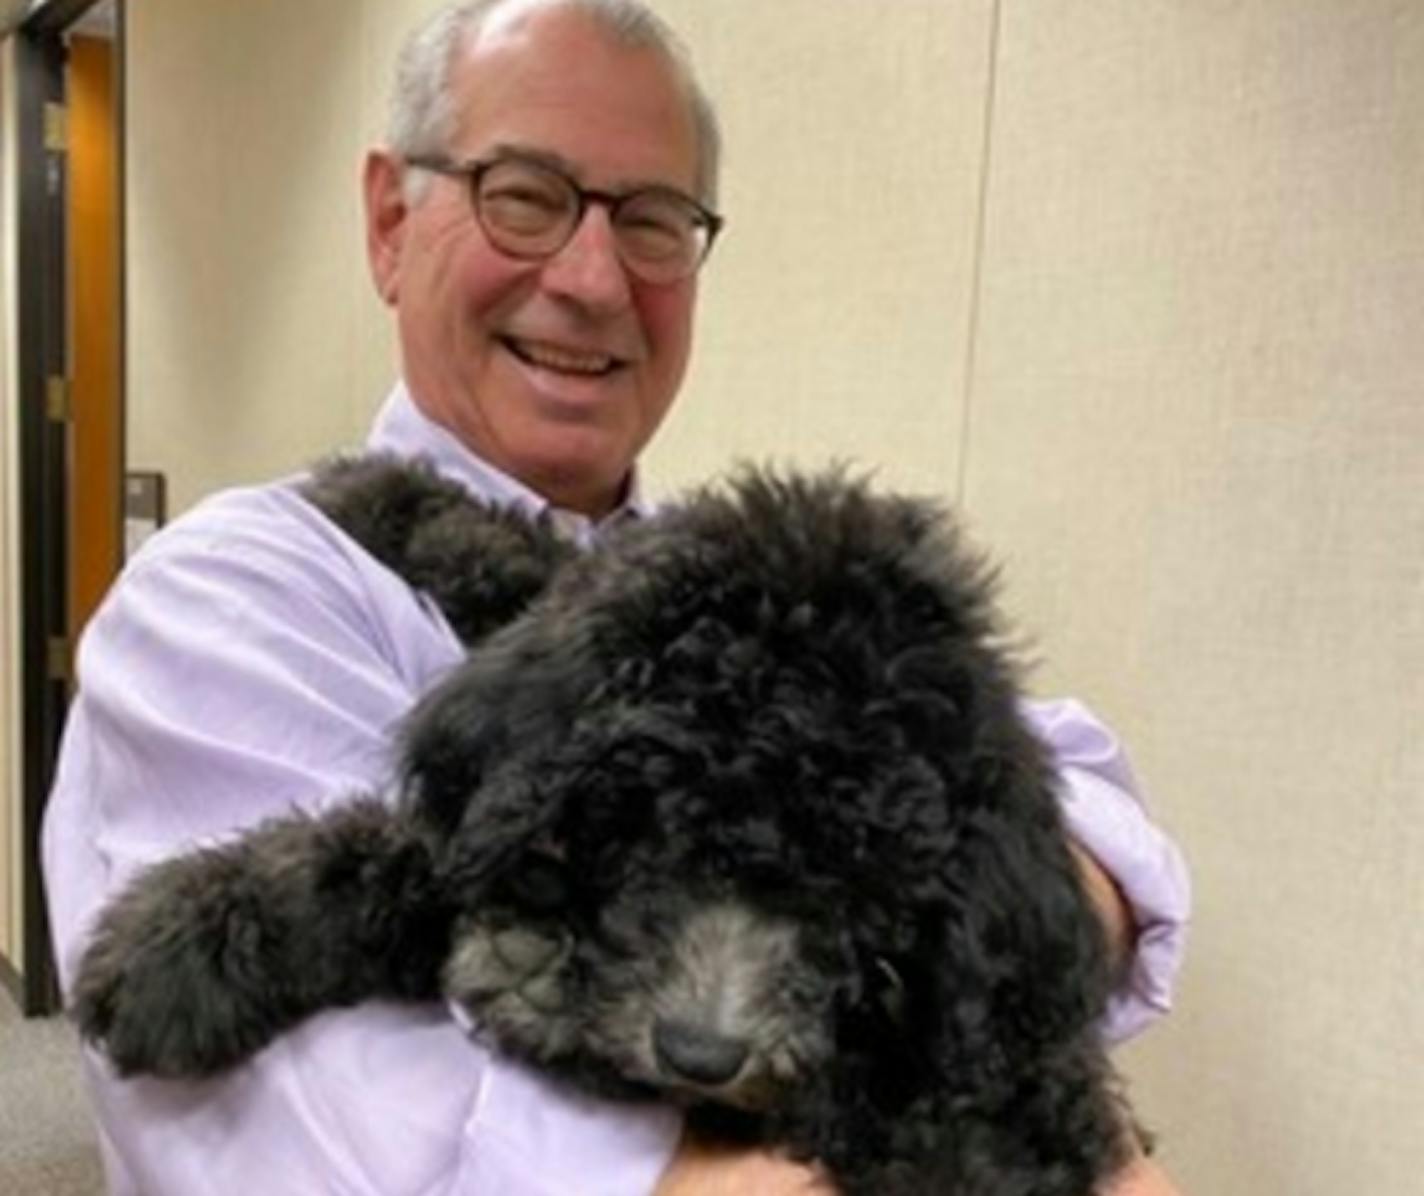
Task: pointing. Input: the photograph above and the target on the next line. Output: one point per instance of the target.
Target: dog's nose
(525, 952)
(694, 1053)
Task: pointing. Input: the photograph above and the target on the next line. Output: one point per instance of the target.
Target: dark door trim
(39, 66)
(42, 351)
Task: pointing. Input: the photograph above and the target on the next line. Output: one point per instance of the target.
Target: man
(536, 225)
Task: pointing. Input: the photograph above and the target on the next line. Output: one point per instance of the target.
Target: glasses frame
(474, 171)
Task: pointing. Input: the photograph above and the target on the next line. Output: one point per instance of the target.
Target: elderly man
(536, 224)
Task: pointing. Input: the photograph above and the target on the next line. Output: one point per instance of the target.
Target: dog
(736, 810)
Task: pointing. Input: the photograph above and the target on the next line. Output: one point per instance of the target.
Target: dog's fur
(736, 811)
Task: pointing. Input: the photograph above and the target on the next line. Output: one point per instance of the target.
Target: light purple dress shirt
(253, 659)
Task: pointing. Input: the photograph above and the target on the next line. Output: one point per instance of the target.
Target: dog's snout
(694, 1053)
(524, 952)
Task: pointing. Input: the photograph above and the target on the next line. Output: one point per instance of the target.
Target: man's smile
(561, 359)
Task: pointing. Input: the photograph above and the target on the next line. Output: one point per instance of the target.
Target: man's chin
(577, 477)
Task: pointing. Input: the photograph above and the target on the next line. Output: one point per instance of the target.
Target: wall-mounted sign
(144, 504)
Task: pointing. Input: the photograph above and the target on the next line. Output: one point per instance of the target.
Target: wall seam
(976, 272)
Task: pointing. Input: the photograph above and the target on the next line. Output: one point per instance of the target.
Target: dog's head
(742, 813)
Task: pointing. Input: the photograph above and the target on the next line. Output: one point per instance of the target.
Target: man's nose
(588, 270)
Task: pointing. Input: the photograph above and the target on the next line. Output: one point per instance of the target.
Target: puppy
(736, 811)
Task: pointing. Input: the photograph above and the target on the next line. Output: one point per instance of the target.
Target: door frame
(42, 315)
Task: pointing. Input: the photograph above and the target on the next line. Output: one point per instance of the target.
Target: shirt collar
(400, 427)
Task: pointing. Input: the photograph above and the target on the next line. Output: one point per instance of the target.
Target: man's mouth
(582, 362)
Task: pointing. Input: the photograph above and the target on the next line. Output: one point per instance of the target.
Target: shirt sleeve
(1104, 811)
(239, 669)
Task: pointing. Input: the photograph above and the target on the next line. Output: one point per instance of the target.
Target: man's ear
(386, 215)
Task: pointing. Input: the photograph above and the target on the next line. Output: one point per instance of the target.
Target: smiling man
(544, 282)
(537, 222)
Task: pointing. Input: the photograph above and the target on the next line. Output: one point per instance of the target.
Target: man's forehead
(551, 70)
(502, 17)
(507, 16)
(552, 41)
(527, 24)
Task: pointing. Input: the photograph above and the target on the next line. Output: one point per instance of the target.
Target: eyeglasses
(529, 209)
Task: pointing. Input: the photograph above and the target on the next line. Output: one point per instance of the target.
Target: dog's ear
(1024, 976)
(1022, 910)
(1001, 1004)
(506, 712)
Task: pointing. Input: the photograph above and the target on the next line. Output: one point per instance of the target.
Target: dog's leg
(482, 564)
(207, 957)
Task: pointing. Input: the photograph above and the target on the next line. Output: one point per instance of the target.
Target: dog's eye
(887, 989)
(539, 881)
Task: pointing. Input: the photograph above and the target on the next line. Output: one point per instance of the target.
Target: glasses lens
(525, 208)
(661, 235)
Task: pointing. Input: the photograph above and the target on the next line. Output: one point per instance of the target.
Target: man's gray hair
(423, 119)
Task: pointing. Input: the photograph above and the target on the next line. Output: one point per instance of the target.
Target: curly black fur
(739, 811)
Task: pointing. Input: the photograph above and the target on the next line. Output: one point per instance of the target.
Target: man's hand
(1107, 899)
(703, 1169)
(1142, 1177)
(699, 1169)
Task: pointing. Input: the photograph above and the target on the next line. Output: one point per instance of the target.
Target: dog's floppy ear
(509, 707)
(1021, 915)
(1009, 998)
(1021, 906)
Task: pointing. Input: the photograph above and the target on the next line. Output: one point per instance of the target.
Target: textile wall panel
(834, 316)
(1197, 434)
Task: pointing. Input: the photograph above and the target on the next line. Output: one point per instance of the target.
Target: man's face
(555, 371)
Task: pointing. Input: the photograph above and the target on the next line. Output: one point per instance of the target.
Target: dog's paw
(158, 988)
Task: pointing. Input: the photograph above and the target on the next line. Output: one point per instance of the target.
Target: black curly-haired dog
(736, 811)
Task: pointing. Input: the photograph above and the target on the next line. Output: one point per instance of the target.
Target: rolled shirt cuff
(1113, 827)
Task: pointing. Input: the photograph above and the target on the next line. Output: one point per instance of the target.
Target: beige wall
(1198, 435)
(1144, 294)
(246, 294)
(836, 311)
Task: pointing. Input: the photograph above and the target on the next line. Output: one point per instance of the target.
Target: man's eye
(522, 206)
(653, 219)
(526, 196)
(654, 228)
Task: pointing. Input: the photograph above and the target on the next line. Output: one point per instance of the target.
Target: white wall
(1145, 297)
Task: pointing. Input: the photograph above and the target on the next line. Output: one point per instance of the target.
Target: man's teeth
(568, 361)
